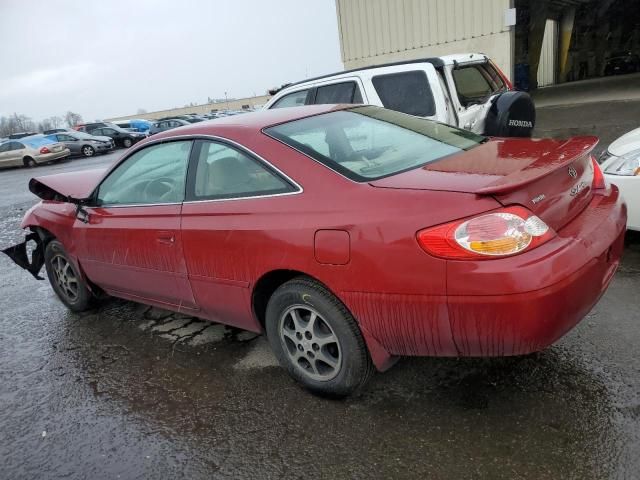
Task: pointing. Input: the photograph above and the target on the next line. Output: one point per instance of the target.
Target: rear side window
(295, 99)
(406, 92)
(477, 82)
(344, 92)
(223, 172)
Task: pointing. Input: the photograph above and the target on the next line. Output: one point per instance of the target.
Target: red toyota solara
(350, 234)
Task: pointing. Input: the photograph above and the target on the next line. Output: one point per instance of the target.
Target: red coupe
(350, 234)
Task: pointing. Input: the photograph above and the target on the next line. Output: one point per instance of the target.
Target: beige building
(534, 42)
(237, 104)
(382, 31)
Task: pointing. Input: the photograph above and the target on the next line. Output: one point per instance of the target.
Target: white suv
(465, 90)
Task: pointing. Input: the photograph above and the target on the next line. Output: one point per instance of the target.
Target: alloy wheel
(310, 343)
(65, 277)
(87, 151)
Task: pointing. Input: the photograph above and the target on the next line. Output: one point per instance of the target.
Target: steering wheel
(159, 189)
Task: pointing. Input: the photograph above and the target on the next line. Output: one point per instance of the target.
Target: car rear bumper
(511, 306)
(571, 273)
(48, 157)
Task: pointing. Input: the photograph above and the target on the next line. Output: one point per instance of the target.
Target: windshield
(368, 143)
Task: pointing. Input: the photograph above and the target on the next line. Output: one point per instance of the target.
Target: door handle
(166, 238)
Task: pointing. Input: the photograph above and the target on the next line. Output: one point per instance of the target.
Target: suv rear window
(406, 92)
(343, 92)
(476, 83)
(367, 143)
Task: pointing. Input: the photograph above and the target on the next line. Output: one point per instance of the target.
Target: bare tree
(56, 121)
(72, 118)
(45, 124)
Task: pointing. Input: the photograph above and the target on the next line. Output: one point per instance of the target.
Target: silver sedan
(80, 143)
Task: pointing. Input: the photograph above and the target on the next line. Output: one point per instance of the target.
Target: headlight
(625, 165)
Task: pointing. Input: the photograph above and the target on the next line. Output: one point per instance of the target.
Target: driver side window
(156, 174)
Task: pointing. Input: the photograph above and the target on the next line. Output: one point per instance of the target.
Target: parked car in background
(188, 118)
(622, 62)
(232, 231)
(121, 137)
(467, 90)
(56, 130)
(31, 151)
(85, 127)
(16, 136)
(621, 166)
(137, 125)
(164, 125)
(85, 144)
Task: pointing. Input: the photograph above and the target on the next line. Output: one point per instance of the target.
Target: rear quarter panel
(394, 289)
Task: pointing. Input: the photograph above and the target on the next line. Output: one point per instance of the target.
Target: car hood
(626, 143)
(66, 187)
(102, 138)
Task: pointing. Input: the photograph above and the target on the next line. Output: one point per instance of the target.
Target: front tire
(316, 339)
(127, 142)
(65, 279)
(88, 151)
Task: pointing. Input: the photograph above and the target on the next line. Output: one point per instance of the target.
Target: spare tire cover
(512, 114)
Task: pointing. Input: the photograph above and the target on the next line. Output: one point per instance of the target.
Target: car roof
(253, 121)
(437, 62)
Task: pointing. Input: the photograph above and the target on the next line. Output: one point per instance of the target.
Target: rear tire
(65, 279)
(88, 151)
(29, 162)
(127, 142)
(316, 339)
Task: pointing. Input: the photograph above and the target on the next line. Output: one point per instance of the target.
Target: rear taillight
(599, 182)
(45, 150)
(500, 233)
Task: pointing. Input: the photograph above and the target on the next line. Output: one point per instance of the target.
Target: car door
(16, 152)
(110, 132)
(70, 142)
(5, 157)
(230, 193)
(128, 239)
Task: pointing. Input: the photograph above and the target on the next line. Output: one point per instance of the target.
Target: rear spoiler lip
(578, 146)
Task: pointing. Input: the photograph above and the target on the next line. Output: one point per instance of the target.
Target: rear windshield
(37, 141)
(368, 143)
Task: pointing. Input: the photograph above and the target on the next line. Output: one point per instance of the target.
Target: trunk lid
(552, 178)
(65, 186)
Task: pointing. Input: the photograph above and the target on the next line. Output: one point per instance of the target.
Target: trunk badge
(573, 173)
(538, 199)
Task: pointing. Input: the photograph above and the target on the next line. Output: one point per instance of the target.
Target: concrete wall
(380, 31)
(204, 108)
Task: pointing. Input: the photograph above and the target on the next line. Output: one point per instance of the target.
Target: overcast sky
(110, 58)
